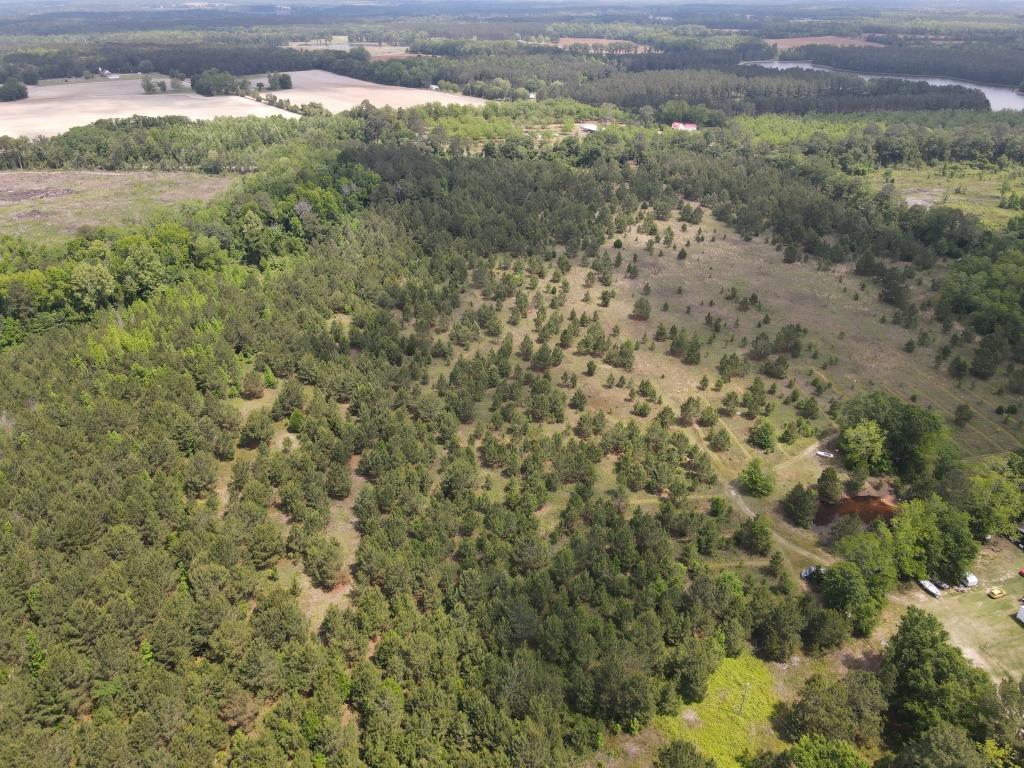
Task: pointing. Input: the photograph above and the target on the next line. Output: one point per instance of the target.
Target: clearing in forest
(341, 524)
(604, 45)
(847, 342)
(986, 630)
(786, 43)
(45, 206)
(973, 190)
(734, 718)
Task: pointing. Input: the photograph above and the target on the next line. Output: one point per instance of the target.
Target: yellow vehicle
(996, 592)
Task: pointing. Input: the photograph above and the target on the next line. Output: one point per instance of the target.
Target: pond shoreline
(1000, 97)
(895, 75)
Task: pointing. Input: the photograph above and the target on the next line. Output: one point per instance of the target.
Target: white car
(825, 454)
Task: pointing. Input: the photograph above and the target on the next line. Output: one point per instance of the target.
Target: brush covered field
(50, 206)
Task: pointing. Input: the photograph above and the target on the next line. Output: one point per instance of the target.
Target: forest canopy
(439, 437)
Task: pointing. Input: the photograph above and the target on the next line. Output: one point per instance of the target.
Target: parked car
(825, 454)
(941, 585)
(996, 592)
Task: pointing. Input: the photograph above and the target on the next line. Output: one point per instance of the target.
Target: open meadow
(46, 206)
(374, 50)
(852, 348)
(974, 190)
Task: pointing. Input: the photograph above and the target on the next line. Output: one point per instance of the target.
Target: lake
(999, 97)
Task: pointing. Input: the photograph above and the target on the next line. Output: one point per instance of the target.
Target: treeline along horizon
(709, 77)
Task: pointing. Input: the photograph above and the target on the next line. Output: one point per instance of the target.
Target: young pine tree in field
(756, 480)
(830, 487)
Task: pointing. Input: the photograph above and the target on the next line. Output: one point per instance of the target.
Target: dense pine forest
(446, 436)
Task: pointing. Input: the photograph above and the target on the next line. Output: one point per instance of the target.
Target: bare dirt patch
(54, 108)
(15, 195)
(786, 43)
(338, 93)
(375, 50)
(604, 45)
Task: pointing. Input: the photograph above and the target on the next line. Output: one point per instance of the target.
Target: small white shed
(970, 580)
(1020, 614)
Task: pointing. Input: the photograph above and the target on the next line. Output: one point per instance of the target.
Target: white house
(677, 126)
(589, 127)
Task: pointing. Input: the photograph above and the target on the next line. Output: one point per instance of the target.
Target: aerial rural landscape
(494, 385)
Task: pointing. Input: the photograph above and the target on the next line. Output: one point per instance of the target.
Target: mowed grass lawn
(735, 717)
(985, 629)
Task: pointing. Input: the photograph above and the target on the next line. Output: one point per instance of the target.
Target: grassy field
(846, 344)
(973, 190)
(735, 717)
(733, 720)
(375, 50)
(46, 206)
(850, 347)
(983, 628)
